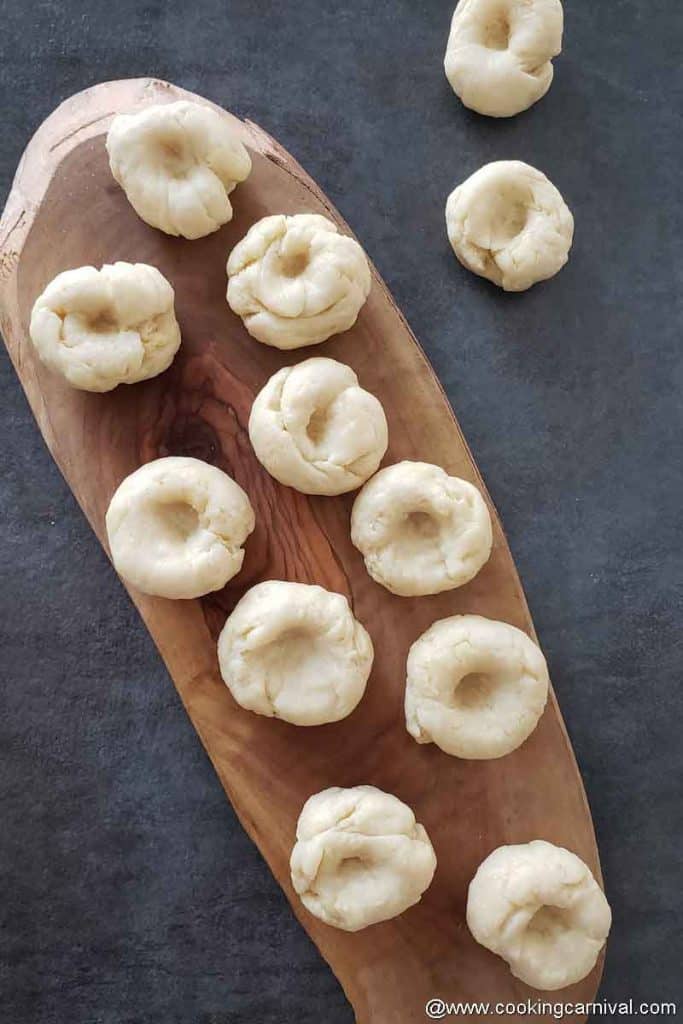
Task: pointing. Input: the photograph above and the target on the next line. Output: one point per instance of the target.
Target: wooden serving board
(65, 210)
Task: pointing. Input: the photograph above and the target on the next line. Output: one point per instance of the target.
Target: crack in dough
(295, 281)
(176, 527)
(314, 428)
(538, 907)
(360, 857)
(102, 328)
(507, 222)
(499, 53)
(475, 687)
(295, 652)
(177, 164)
(419, 530)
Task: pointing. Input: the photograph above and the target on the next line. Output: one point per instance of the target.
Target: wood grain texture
(65, 210)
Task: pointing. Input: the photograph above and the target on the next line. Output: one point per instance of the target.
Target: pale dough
(314, 428)
(360, 857)
(176, 527)
(101, 328)
(499, 53)
(296, 652)
(295, 281)
(508, 223)
(475, 687)
(539, 908)
(419, 530)
(177, 164)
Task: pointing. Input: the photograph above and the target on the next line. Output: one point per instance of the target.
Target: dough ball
(539, 908)
(508, 223)
(475, 687)
(360, 857)
(177, 164)
(295, 281)
(176, 527)
(314, 428)
(499, 53)
(419, 530)
(295, 652)
(101, 328)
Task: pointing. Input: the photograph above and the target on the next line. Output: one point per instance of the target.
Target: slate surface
(130, 893)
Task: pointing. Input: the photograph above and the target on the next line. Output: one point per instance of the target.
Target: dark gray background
(130, 893)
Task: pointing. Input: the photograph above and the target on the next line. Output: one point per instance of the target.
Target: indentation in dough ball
(475, 690)
(421, 525)
(501, 216)
(499, 53)
(175, 521)
(173, 154)
(176, 527)
(508, 223)
(295, 652)
(318, 425)
(314, 428)
(496, 30)
(475, 687)
(360, 857)
(101, 328)
(538, 907)
(419, 530)
(177, 164)
(295, 281)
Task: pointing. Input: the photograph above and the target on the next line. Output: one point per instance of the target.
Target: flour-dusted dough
(176, 527)
(360, 857)
(419, 530)
(295, 281)
(475, 687)
(539, 908)
(314, 428)
(177, 164)
(508, 223)
(296, 652)
(101, 328)
(499, 53)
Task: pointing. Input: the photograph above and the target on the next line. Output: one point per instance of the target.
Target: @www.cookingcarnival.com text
(442, 1009)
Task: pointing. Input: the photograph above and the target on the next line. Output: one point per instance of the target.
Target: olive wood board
(65, 210)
